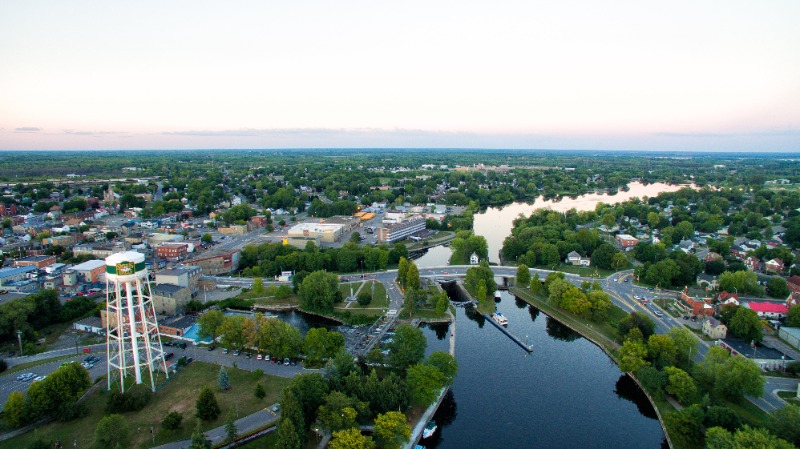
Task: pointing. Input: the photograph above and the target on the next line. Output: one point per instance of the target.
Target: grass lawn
(344, 288)
(179, 395)
(789, 396)
(749, 412)
(376, 307)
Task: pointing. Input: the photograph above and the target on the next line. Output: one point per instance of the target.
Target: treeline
(587, 301)
(324, 210)
(38, 310)
(269, 259)
(349, 395)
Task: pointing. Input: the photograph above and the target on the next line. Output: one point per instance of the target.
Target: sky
(570, 74)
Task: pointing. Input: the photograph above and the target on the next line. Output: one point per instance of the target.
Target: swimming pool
(191, 334)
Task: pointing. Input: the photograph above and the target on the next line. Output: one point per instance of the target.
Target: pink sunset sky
(622, 75)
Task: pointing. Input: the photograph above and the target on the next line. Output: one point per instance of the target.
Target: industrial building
(325, 232)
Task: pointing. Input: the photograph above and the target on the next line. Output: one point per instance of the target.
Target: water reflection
(560, 332)
(627, 389)
(473, 315)
(534, 312)
(439, 329)
(438, 256)
(520, 303)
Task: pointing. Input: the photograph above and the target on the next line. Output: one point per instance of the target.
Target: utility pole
(19, 339)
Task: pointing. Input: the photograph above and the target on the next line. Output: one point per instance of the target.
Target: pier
(513, 337)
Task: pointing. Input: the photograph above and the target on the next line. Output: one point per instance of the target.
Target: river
(495, 224)
(567, 394)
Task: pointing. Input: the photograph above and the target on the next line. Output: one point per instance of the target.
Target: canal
(566, 394)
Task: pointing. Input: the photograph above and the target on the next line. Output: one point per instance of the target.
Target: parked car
(286, 361)
(169, 355)
(236, 352)
(225, 350)
(212, 347)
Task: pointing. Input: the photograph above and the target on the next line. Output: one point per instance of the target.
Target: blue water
(191, 334)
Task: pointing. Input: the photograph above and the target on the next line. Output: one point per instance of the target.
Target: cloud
(73, 132)
(27, 129)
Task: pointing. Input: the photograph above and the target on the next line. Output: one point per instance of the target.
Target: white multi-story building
(394, 232)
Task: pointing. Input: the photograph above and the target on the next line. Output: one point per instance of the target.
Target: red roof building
(767, 309)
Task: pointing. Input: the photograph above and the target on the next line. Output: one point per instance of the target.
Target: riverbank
(602, 341)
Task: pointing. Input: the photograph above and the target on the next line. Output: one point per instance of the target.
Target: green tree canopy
(407, 348)
(350, 439)
(111, 430)
(210, 323)
(206, 406)
(392, 430)
(680, 384)
(523, 276)
(321, 344)
(318, 290)
(445, 363)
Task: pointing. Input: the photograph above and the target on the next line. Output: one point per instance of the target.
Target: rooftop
(760, 351)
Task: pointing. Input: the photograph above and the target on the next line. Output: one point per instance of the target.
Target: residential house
(714, 329)
(707, 281)
(753, 264)
(576, 259)
(473, 259)
(725, 298)
(774, 266)
(93, 325)
(738, 252)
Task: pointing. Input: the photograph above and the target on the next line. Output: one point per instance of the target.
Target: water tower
(133, 342)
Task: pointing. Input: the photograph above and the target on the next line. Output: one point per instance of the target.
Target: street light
(19, 339)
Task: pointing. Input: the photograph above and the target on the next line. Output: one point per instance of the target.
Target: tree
(206, 238)
(442, 302)
(340, 411)
(364, 298)
(209, 323)
(745, 437)
(223, 381)
(632, 356)
(355, 237)
(424, 382)
(793, 317)
(523, 276)
(288, 436)
(412, 277)
(785, 423)
(407, 348)
(317, 292)
(111, 431)
(231, 432)
(292, 411)
(680, 384)
(402, 271)
(14, 414)
(258, 286)
(172, 421)
(310, 391)
(685, 345)
(776, 287)
(536, 284)
(686, 425)
(603, 256)
(445, 363)
(259, 392)
(321, 344)
(661, 349)
(199, 440)
(207, 406)
(746, 325)
(619, 260)
(392, 430)
(350, 439)
(638, 320)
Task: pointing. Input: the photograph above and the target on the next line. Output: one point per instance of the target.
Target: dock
(513, 337)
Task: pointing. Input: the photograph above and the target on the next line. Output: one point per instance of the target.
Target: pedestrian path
(217, 435)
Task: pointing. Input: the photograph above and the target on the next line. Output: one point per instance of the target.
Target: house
(627, 241)
(698, 306)
(766, 309)
(707, 281)
(574, 258)
(793, 283)
(714, 329)
(738, 252)
(774, 266)
(473, 259)
(753, 264)
(725, 298)
(765, 357)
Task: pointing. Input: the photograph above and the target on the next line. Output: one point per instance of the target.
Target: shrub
(172, 421)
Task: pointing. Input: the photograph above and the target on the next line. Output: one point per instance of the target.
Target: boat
(500, 319)
(429, 429)
(497, 295)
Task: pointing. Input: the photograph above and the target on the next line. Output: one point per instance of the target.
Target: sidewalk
(14, 361)
(244, 426)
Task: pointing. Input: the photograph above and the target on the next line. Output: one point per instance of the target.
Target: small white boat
(497, 295)
(429, 429)
(500, 319)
